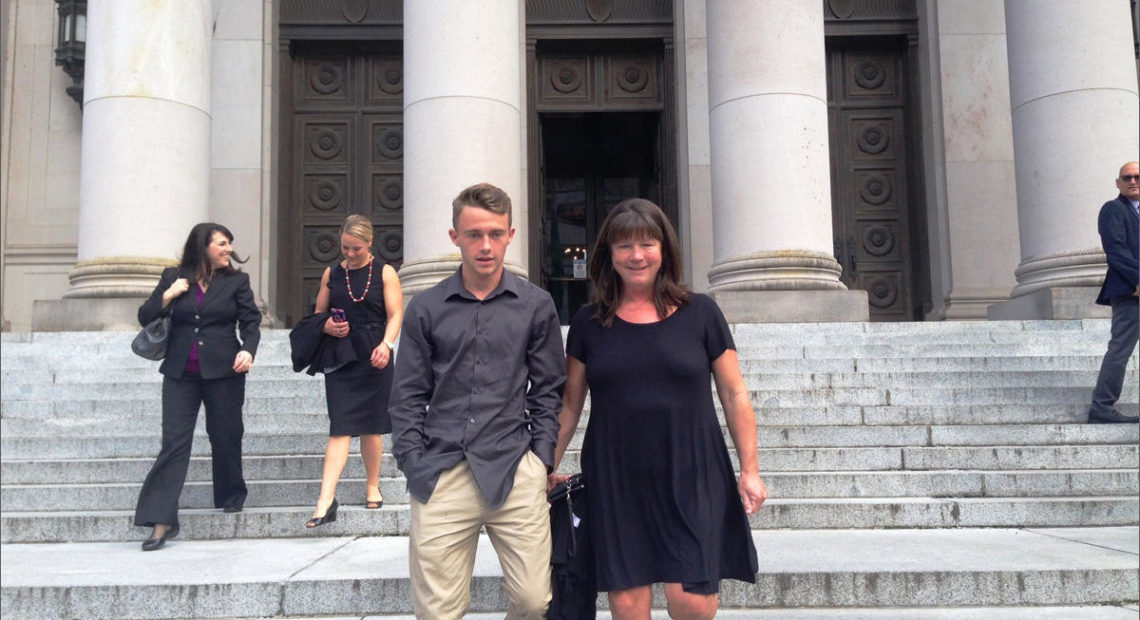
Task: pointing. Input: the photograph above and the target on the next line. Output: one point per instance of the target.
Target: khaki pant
(445, 532)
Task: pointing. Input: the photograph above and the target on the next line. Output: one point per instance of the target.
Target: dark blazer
(1119, 229)
(311, 347)
(228, 304)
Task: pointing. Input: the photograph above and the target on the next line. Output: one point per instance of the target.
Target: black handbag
(574, 592)
(151, 341)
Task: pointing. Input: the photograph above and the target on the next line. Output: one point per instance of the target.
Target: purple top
(192, 359)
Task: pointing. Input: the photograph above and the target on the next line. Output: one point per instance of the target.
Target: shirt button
(472, 420)
(195, 330)
(197, 317)
(201, 344)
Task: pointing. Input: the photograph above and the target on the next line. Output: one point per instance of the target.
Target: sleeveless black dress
(664, 506)
(357, 393)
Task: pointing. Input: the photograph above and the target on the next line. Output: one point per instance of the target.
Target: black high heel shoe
(154, 544)
(374, 504)
(329, 517)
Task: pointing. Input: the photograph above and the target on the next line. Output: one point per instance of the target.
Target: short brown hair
(358, 226)
(636, 218)
(484, 196)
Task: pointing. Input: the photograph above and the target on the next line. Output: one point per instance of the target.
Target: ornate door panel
(346, 156)
(870, 207)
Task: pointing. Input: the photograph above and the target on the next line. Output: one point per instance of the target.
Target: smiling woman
(206, 298)
(645, 350)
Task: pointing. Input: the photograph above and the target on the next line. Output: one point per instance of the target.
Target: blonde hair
(358, 226)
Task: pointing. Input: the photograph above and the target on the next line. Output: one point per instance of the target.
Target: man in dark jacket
(1119, 227)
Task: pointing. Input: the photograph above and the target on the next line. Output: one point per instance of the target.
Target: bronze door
(344, 156)
(871, 208)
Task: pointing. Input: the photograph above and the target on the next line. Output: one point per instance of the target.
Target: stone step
(74, 349)
(1126, 611)
(258, 387)
(1054, 612)
(69, 474)
(94, 425)
(196, 493)
(350, 575)
(925, 457)
(762, 399)
(279, 370)
(108, 525)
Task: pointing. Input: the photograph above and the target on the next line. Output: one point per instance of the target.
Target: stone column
(462, 125)
(1073, 97)
(145, 162)
(771, 185)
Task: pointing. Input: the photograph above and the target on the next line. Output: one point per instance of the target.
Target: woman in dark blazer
(208, 300)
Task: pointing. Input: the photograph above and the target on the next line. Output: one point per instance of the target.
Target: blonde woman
(366, 305)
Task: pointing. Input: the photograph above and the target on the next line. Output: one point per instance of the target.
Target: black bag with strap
(151, 341)
(574, 590)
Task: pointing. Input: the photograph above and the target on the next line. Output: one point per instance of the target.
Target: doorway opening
(590, 163)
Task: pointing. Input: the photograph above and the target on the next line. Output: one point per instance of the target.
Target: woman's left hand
(243, 362)
(381, 355)
(752, 492)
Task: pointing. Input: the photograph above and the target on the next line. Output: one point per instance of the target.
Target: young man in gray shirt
(474, 407)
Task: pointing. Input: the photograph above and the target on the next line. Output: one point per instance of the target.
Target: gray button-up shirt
(479, 380)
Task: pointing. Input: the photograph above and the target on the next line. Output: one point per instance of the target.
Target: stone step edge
(1027, 574)
(778, 501)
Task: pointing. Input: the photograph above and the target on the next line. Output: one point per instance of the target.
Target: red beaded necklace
(367, 284)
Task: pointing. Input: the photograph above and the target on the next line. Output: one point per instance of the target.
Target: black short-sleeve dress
(664, 506)
(357, 393)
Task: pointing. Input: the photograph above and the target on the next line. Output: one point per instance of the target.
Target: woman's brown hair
(636, 218)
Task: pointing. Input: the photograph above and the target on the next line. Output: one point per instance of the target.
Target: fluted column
(462, 124)
(145, 160)
(770, 165)
(1073, 96)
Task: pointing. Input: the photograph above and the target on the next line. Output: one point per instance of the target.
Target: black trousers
(1125, 328)
(181, 399)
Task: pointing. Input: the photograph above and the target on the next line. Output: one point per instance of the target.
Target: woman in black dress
(367, 307)
(665, 506)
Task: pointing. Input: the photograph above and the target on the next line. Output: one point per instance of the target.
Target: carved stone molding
(866, 10)
(341, 12)
(569, 12)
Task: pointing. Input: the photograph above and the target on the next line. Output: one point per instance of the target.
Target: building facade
(822, 159)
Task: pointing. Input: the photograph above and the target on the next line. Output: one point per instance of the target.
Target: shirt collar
(453, 286)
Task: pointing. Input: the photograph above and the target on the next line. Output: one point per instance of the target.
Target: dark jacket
(227, 307)
(311, 347)
(1119, 229)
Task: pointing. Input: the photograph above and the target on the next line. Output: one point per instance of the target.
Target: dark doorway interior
(590, 163)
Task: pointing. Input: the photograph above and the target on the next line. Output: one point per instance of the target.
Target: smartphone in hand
(338, 315)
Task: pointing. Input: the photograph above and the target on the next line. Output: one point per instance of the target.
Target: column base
(970, 306)
(1068, 302)
(795, 306)
(86, 314)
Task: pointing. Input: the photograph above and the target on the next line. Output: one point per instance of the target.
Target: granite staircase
(912, 468)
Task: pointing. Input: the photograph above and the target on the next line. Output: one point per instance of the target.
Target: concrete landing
(810, 570)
